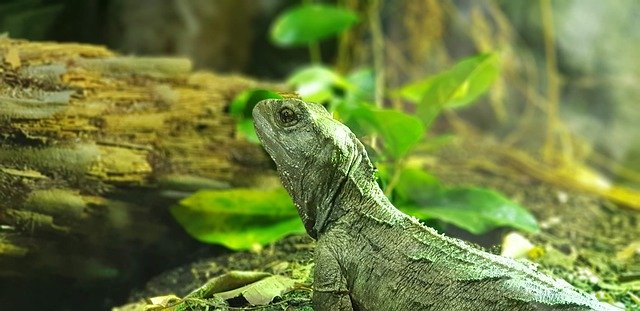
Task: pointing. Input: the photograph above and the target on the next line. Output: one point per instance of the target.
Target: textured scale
(369, 255)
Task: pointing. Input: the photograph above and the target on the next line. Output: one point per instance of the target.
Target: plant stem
(377, 39)
(395, 176)
(553, 91)
(314, 53)
(314, 48)
(345, 41)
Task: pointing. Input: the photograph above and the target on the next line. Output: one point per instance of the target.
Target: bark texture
(95, 146)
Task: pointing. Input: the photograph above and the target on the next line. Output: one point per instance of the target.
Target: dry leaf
(262, 292)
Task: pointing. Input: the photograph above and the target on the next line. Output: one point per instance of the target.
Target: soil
(588, 241)
(584, 239)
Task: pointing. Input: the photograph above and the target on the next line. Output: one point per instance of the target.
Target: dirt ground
(591, 243)
(586, 240)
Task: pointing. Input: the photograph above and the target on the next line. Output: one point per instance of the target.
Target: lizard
(371, 256)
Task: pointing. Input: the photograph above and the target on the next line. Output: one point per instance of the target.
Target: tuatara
(370, 255)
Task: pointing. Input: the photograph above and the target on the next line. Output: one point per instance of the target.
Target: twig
(546, 13)
(377, 38)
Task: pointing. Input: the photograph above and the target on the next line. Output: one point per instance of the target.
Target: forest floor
(588, 241)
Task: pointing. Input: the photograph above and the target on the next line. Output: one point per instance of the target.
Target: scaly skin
(369, 255)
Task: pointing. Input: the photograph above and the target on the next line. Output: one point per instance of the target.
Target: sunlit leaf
(399, 131)
(414, 91)
(238, 218)
(310, 23)
(242, 106)
(456, 87)
(475, 210)
(317, 83)
(248, 131)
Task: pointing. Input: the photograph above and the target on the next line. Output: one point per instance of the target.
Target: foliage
(474, 209)
(241, 108)
(310, 23)
(393, 134)
(399, 131)
(238, 218)
(316, 83)
(457, 87)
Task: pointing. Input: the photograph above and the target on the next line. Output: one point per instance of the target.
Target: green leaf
(317, 83)
(238, 218)
(363, 82)
(476, 210)
(310, 23)
(416, 185)
(248, 131)
(242, 106)
(456, 87)
(414, 92)
(399, 131)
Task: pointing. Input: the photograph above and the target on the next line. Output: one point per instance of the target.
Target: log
(95, 146)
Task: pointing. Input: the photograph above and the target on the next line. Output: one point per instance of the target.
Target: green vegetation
(390, 134)
(238, 218)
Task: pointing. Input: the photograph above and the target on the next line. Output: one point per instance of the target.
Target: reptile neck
(362, 195)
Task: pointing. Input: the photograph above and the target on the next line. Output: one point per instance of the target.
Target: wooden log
(95, 146)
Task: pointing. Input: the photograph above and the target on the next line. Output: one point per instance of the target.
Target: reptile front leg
(330, 290)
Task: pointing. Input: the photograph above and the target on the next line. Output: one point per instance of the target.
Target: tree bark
(95, 146)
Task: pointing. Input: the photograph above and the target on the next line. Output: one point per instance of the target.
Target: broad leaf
(238, 218)
(358, 92)
(399, 131)
(317, 83)
(475, 210)
(248, 131)
(310, 23)
(363, 82)
(456, 87)
(414, 92)
(416, 185)
(242, 106)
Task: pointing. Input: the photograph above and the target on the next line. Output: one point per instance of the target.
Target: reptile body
(371, 256)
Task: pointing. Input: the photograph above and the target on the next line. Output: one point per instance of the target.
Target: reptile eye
(287, 117)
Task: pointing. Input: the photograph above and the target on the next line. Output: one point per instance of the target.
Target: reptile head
(314, 154)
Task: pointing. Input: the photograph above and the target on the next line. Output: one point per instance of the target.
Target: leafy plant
(474, 209)
(456, 87)
(238, 218)
(241, 108)
(310, 23)
(307, 24)
(391, 135)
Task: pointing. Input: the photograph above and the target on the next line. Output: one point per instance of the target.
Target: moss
(121, 164)
(62, 203)
(8, 249)
(23, 173)
(35, 105)
(70, 160)
(150, 66)
(49, 72)
(33, 222)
